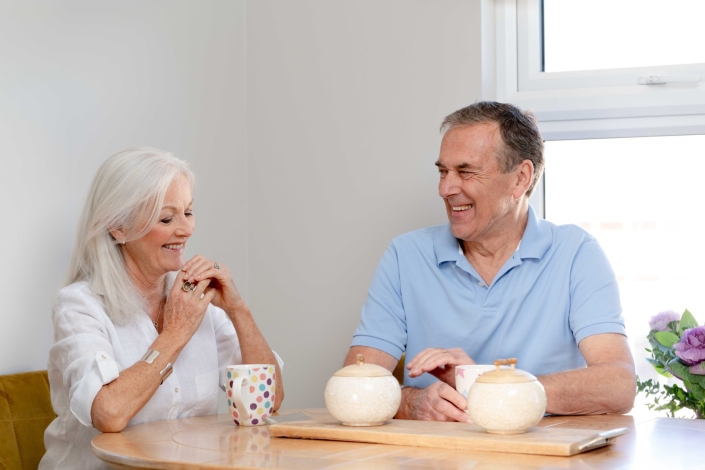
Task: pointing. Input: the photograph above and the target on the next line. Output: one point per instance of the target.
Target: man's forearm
(598, 389)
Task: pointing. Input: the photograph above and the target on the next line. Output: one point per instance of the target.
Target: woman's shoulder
(78, 294)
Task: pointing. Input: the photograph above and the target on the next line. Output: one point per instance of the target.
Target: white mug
(251, 389)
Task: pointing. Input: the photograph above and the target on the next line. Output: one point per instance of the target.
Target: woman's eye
(189, 214)
(166, 221)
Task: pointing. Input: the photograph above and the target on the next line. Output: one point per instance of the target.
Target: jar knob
(500, 362)
(361, 360)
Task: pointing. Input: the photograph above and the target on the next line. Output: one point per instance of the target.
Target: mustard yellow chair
(399, 370)
(25, 412)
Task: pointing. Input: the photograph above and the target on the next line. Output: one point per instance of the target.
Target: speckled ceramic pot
(506, 401)
(363, 394)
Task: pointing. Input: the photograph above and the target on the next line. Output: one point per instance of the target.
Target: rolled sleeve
(82, 353)
(100, 371)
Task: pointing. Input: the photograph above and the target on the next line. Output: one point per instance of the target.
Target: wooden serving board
(457, 436)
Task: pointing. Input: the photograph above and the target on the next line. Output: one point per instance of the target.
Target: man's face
(477, 195)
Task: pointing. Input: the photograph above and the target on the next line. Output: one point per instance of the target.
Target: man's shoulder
(420, 238)
(571, 232)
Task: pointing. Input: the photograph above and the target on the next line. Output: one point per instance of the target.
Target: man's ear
(524, 177)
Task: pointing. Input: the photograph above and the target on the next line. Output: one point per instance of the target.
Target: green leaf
(697, 392)
(666, 338)
(688, 321)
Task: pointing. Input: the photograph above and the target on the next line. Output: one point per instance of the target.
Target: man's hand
(439, 362)
(437, 402)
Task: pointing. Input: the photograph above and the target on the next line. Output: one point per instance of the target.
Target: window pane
(609, 34)
(641, 198)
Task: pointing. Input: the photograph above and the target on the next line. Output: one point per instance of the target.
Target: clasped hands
(200, 281)
(439, 401)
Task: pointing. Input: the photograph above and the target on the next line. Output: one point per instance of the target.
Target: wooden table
(214, 442)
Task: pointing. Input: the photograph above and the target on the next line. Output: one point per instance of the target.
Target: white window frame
(587, 104)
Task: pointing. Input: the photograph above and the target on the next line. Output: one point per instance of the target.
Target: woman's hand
(438, 362)
(225, 294)
(184, 310)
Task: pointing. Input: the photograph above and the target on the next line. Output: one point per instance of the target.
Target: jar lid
(505, 376)
(362, 370)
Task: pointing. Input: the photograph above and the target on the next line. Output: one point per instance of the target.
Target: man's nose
(449, 185)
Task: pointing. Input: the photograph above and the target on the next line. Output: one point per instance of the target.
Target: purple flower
(691, 347)
(660, 322)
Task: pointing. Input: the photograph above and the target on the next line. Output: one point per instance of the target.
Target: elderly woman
(140, 334)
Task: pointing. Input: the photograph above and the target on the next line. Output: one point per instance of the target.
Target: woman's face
(161, 250)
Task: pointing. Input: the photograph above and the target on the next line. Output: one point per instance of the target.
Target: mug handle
(242, 410)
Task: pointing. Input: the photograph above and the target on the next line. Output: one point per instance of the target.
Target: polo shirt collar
(535, 242)
(537, 238)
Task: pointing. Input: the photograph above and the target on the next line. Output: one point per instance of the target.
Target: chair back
(399, 370)
(25, 412)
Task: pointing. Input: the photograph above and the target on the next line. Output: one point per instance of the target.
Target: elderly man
(496, 282)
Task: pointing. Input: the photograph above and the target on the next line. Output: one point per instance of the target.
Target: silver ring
(216, 265)
(188, 287)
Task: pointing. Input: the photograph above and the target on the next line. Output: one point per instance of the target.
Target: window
(536, 62)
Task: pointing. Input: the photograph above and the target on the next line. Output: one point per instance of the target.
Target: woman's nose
(185, 228)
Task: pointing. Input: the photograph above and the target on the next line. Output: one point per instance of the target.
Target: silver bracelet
(149, 358)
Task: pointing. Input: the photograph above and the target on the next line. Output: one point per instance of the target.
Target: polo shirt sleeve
(82, 351)
(383, 324)
(595, 307)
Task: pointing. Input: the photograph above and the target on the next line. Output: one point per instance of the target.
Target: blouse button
(176, 389)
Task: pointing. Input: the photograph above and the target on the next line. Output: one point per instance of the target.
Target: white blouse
(90, 351)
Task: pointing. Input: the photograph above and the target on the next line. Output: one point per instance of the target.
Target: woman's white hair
(127, 193)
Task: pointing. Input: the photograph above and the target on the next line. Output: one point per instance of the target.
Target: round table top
(214, 442)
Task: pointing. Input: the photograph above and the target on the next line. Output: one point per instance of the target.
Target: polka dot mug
(250, 389)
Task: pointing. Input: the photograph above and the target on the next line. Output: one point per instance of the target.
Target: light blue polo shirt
(555, 290)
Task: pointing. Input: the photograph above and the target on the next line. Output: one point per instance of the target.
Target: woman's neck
(150, 287)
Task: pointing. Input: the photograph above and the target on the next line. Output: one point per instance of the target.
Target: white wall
(312, 127)
(344, 103)
(81, 80)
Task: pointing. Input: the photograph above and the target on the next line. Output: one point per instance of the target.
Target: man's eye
(442, 172)
(465, 174)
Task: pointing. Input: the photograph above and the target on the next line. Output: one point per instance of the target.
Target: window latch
(664, 79)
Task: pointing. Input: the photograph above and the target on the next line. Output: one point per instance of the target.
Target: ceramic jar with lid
(363, 394)
(506, 401)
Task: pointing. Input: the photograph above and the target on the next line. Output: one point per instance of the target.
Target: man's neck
(489, 255)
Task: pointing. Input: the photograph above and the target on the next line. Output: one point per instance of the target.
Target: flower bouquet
(677, 350)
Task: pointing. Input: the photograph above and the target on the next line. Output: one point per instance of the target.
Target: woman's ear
(118, 235)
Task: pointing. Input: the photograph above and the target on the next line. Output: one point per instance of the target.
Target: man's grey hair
(518, 129)
(127, 193)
